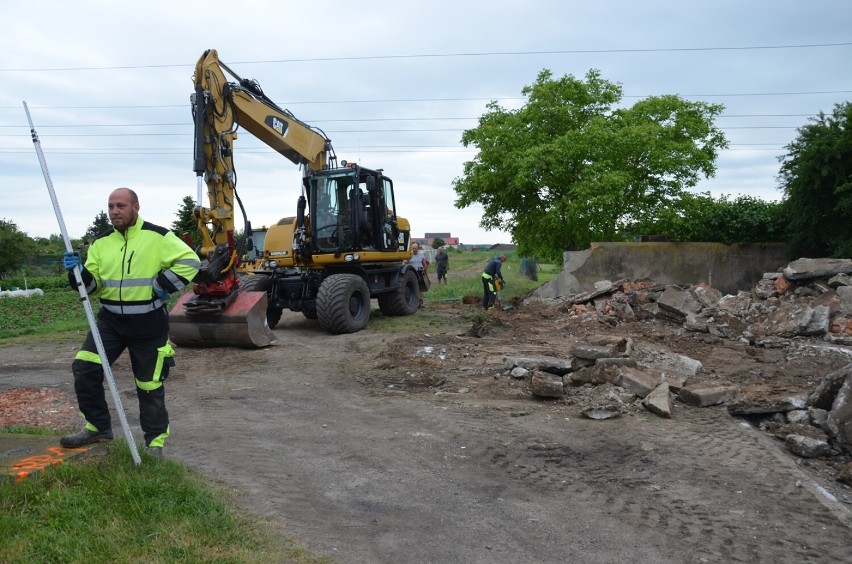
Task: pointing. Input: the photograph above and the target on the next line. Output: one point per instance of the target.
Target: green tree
(100, 225)
(15, 247)
(185, 222)
(571, 166)
(816, 176)
(700, 217)
(438, 242)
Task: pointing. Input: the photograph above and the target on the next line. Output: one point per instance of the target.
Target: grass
(106, 509)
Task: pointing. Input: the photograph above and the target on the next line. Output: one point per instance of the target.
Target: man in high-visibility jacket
(489, 280)
(132, 269)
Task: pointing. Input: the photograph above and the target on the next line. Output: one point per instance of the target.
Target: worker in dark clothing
(132, 269)
(490, 278)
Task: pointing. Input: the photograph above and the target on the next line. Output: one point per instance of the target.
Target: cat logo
(277, 124)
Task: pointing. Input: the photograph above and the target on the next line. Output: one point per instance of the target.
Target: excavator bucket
(241, 324)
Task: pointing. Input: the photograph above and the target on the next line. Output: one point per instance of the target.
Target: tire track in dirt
(639, 479)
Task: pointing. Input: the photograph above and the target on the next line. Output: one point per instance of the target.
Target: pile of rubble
(609, 375)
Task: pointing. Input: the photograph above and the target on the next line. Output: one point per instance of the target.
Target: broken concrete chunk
(735, 304)
(706, 295)
(596, 375)
(704, 395)
(789, 320)
(839, 421)
(659, 401)
(519, 373)
(807, 447)
(603, 346)
(638, 382)
(544, 384)
(678, 302)
(604, 411)
(820, 321)
(558, 366)
(845, 474)
(840, 280)
(760, 399)
(806, 268)
(799, 416)
(825, 393)
(844, 293)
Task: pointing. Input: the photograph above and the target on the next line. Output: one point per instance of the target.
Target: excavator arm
(221, 103)
(220, 106)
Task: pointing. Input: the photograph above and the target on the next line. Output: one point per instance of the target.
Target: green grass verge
(107, 509)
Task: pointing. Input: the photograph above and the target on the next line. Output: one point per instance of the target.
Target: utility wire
(452, 55)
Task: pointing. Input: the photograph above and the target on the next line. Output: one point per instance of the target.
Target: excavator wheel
(343, 303)
(261, 283)
(404, 301)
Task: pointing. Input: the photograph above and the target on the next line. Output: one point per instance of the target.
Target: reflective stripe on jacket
(121, 268)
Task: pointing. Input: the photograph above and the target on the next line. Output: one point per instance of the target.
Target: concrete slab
(23, 456)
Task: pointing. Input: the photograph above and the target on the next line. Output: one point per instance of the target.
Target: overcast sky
(393, 84)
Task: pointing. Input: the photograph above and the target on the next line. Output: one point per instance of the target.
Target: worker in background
(442, 265)
(133, 269)
(421, 264)
(491, 278)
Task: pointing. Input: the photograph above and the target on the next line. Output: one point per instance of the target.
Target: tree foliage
(185, 222)
(437, 242)
(701, 218)
(571, 166)
(15, 247)
(99, 226)
(816, 176)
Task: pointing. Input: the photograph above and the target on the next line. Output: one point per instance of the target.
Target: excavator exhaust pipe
(241, 324)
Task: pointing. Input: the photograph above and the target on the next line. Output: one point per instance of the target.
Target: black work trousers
(489, 294)
(145, 338)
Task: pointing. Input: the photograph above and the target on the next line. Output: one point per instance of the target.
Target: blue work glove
(159, 292)
(70, 260)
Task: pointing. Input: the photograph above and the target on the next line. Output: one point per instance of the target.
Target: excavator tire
(343, 303)
(310, 313)
(405, 300)
(261, 283)
(242, 324)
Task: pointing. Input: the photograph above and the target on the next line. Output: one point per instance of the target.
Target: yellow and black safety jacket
(121, 268)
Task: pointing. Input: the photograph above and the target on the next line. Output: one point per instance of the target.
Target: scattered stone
(544, 384)
(839, 421)
(825, 393)
(604, 411)
(759, 399)
(840, 280)
(639, 382)
(596, 374)
(704, 395)
(558, 366)
(799, 416)
(519, 373)
(845, 474)
(659, 401)
(807, 447)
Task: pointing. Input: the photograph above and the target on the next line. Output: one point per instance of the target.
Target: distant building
(429, 238)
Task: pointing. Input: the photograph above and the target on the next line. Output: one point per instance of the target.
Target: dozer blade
(241, 324)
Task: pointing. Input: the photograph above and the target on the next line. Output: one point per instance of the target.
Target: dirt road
(375, 448)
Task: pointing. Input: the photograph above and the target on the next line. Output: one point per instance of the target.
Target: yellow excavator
(345, 246)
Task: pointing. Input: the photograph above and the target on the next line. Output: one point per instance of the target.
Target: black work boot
(85, 437)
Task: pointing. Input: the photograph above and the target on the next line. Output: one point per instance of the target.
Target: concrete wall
(728, 268)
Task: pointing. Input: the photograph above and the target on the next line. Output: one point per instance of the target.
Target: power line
(452, 55)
